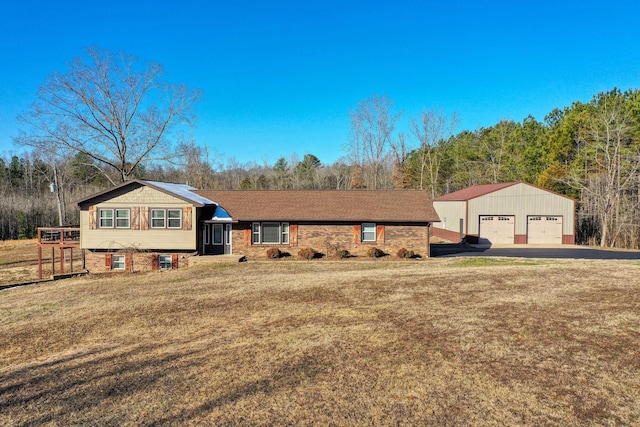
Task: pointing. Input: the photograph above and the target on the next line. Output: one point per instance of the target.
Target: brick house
(147, 225)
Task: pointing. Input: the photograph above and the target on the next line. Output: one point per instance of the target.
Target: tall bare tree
(433, 129)
(606, 170)
(372, 125)
(110, 108)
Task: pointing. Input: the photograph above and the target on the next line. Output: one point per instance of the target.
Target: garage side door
(544, 230)
(497, 229)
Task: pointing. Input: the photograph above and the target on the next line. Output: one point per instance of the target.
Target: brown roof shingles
(326, 205)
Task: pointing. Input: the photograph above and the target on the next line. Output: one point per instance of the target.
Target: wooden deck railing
(66, 236)
(57, 237)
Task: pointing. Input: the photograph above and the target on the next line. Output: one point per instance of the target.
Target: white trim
(368, 225)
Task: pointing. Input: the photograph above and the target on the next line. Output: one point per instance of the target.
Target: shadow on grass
(97, 386)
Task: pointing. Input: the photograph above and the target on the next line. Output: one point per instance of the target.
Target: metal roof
(181, 191)
(475, 191)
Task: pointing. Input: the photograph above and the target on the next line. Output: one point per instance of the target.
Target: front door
(214, 239)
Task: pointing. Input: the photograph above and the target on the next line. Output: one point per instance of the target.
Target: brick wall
(97, 262)
(328, 238)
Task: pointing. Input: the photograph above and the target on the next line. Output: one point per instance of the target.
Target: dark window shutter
(154, 261)
(174, 261)
(128, 262)
(107, 261)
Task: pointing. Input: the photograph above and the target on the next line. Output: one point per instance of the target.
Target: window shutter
(135, 218)
(357, 233)
(247, 237)
(293, 234)
(186, 218)
(107, 261)
(174, 261)
(380, 233)
(93, 217)
(128, 262)
(144, 218)
(154, 261)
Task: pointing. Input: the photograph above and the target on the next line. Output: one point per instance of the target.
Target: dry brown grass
(19, 261)
(327, 343)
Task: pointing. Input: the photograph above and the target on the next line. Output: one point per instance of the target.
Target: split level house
(148, 225)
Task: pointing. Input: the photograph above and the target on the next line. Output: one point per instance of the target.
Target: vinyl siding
(160, 239)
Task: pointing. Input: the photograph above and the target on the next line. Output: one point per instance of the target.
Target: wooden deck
(61, 238)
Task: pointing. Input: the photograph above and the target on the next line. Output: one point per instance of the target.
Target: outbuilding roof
(326, 205)
(475, 191)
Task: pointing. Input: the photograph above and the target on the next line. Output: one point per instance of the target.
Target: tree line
(110, 118)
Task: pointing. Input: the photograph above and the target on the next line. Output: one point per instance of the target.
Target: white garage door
(544, 229)
(497, 229)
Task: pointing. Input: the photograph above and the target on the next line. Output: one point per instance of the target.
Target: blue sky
(280, 77)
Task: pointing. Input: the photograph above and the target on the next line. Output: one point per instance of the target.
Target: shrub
(307, 253)
(404, 253)
(273, 253)
(343, 253)
(375, 252)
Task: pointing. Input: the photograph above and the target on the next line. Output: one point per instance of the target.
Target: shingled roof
(326, 205)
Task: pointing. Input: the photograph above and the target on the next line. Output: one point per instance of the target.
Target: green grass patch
(495, 261)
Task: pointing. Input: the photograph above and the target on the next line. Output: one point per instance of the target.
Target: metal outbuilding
(506, 213)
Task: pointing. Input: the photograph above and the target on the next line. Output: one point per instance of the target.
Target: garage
(506, 213)
(543, 229)
(497, 229)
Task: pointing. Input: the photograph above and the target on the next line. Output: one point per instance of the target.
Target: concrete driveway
(531, 251)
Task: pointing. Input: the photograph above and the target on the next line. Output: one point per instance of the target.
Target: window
(368, 232)
(274, 233)
(164, 262)
(270, 232)
(123, 218)
(255, 233)
(157, 218)
(217, 234)
(166, 218)
(106, 218)
(117, 262)
(174, 218)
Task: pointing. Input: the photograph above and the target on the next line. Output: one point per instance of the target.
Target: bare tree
(112, 109)
(372, 125)
(607, 174)
(433, 129)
